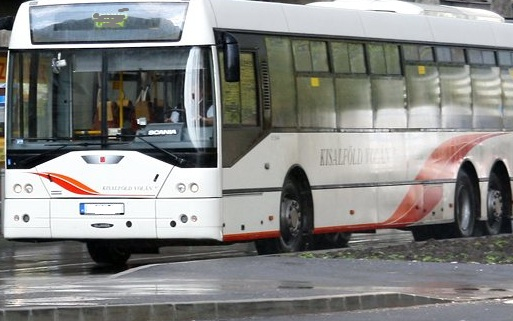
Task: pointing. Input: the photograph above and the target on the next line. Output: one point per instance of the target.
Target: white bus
(132, 125)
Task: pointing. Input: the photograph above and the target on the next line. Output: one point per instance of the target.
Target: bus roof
(330, 20)
(404, 7)
(322, 19)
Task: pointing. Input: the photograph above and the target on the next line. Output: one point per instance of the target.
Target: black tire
(295, 223)
(466, 206)
(435, 231)
(422, 233)
(496, 205)
(105, 253)
(332, 240)
(266, 246)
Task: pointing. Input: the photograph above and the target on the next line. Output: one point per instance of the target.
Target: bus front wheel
(296, 221)
(105, 253)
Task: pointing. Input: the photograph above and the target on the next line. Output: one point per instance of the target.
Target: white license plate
(102, 208)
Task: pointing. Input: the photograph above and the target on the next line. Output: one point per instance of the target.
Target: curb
(219, 310)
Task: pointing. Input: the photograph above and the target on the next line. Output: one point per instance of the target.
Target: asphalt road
(38, 278)
(72, 258)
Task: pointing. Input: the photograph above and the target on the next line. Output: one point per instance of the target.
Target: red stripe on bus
(251, 236)
(68, 183)
(346, 228)
(74, 186)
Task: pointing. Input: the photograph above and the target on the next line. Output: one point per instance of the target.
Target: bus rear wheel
(466, 206)
(106, 253)
(496, 205)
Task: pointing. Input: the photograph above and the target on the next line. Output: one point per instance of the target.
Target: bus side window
(282, 82)
(505, 61)
(422, 86)
(486, 89)
(352, 85)
(387, 86)
(240, 98)
(455, 88)
(240, 110)
(314, 84)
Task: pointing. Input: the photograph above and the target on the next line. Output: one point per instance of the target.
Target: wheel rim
(495, 210)
(292, 221)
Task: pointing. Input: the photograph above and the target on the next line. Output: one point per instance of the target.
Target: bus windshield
(139, 98)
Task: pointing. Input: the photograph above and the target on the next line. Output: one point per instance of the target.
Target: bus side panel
(365, 180)
(337, 208)
(252, 188)
(255, 215)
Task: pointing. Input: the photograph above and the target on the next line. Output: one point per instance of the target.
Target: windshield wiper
(178, 161)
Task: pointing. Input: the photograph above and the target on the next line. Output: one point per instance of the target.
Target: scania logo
(159, 132)
(102, 225)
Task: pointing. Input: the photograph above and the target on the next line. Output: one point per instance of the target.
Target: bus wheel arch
(466, 202)
(498, 201)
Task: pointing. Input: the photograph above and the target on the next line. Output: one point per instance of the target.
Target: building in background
(5, 35)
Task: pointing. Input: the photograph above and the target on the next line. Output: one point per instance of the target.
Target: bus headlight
(181, 187)
(29, 188)
(17, 188)
(194, 187)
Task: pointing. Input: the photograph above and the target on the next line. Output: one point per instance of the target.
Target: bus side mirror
(231, 58)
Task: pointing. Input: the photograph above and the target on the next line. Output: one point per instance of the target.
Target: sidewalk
(250, 286)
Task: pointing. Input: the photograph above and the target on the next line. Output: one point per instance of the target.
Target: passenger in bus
(208, 119)
(206, 107)
(177, 115)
